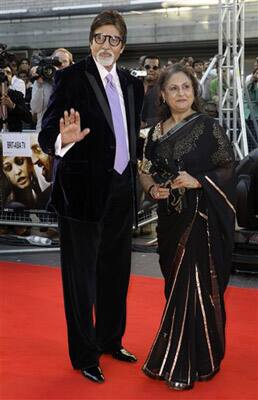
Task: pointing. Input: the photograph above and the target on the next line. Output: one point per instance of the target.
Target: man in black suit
(91, 128)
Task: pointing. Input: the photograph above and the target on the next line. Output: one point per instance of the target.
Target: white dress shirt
(18, 84)
(61, 151)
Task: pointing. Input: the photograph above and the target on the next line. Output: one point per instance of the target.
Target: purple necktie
(121, 157)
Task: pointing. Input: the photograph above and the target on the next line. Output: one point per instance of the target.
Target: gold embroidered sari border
(179, 343)
(199, 291)
(221, 193)
(166, 308)
(168, 345)
(203, 215)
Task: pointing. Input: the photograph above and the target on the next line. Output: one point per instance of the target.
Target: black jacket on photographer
(150, 106)
(20, 113)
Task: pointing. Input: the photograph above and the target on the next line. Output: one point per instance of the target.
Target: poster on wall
(26, 172)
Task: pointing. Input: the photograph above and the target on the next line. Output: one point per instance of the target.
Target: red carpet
(34, 361)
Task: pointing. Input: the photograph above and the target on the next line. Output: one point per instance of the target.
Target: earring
(164, 101)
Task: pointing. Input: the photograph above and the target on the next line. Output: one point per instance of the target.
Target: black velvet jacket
(82, 177)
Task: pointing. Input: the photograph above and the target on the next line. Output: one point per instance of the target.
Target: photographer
(64, 56)
(41, 91)
(13, 110)
(151, 65)
(7, 58)
(43, 84)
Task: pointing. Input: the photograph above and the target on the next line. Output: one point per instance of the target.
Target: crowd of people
(28, 89)
(208, 90)
(26, 111)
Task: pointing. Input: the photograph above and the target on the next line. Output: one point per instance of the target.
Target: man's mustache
(110, 53)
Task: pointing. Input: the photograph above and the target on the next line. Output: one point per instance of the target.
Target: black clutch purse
(163, 172)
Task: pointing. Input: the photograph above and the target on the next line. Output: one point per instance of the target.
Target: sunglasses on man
(154, 67)
(100, 38)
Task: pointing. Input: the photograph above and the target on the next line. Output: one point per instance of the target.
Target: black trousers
(95, 262)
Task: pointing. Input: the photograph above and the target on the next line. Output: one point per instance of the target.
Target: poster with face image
(25, 178)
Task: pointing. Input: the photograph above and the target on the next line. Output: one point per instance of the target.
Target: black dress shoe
(95, 374)
(123, 355)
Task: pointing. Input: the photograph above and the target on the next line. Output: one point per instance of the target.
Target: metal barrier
(49, 220)
(28, 218)
(39, 218)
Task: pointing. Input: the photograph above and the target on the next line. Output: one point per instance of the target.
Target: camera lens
(48, 72)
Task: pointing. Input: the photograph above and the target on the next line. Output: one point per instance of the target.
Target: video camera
(47, 67)
(138, 73)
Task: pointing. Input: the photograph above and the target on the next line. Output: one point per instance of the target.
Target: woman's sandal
(180, 385)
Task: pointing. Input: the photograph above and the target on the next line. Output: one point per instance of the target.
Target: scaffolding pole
(231, 73)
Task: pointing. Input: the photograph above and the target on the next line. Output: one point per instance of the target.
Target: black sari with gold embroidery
(195, 246)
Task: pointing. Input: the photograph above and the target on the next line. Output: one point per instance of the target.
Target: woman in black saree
(188, 166)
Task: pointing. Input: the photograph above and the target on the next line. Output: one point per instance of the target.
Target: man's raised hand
(70, 128)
